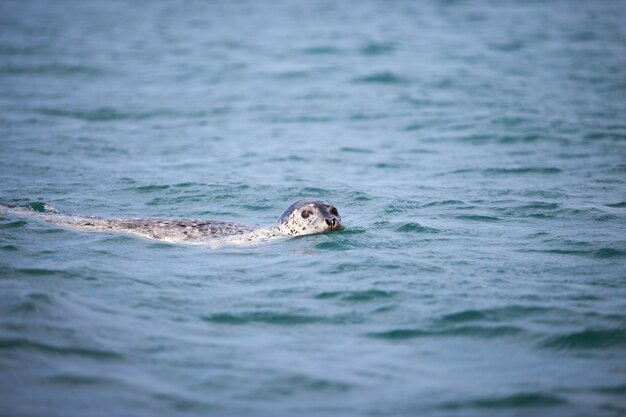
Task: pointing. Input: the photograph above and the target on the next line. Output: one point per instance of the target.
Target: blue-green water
(476, 152)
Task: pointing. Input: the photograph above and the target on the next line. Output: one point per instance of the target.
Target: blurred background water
(477, 154)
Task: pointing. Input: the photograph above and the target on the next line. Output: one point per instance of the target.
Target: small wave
(322, 50)
(483, 331)
(357, 196)
(315, 190)
(544, 194)
(621, 204)
(391, 165)
(26, 344)
(539, 205)
(267, 317)
(412, 127)
(520, 400)
(494, 314)
(189, 184)
(184, 403)
(13, 225)
(195, 198)
(78, 380)
(602, 253)
(298, 383)
(258, 207)
(617, 389)
(368, 116)
(444, 203)
(511, 139)
(43, 272)
(384, 77)
(467, 315)
(587, 339)
(333, 245)
(421, 102)
(423, 151)
(291, 75)
(510, 121)
(42, 207)
(51, 69)
(362, 266)
(401, 206)
(616, 136)
(478, 218)
(538, 210)
(355, 150)
(609, 253)
(444, 83)
(15, 49)
(104, 114)
(470, 331)
(460, 171)
(415, 228)
(148, 188)
(520, 171)
(560, 251)
(572, 155)
(301, 119)
(359, 296)
(33, 302)
(377, 48)
(401, 334)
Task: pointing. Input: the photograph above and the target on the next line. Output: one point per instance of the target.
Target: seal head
(305, 217)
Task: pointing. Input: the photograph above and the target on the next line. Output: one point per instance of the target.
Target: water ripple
(587, 339)
(481, 332)
(27, 344)
(384, 77)
(415, 228)
(267, 317)
(358, 296)
(519, 400)
(497, 314)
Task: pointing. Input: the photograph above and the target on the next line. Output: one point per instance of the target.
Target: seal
(304, 217)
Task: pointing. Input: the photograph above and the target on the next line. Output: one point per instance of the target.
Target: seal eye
(305, 214)
(334, 211)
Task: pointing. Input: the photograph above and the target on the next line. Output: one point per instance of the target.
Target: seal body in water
(303, 217)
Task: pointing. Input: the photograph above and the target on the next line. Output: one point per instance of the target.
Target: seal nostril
(332, 223)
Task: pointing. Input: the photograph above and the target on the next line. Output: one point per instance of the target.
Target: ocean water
(475, 150)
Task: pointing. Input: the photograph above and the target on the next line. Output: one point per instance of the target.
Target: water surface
(476, 152)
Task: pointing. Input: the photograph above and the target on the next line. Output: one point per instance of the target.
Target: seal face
(307, 217)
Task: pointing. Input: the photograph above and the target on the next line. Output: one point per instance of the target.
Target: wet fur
(290, 223)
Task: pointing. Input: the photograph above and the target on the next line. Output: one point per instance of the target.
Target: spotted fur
(301, 218)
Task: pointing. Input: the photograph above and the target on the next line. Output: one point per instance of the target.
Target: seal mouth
(333, 225)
